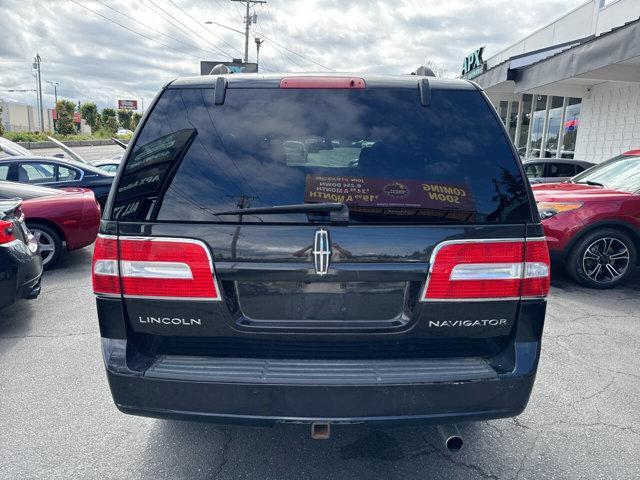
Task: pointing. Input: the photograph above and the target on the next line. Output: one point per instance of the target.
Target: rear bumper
(230, 394)
(20, 274)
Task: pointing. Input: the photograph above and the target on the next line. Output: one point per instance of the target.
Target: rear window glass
(376, 150)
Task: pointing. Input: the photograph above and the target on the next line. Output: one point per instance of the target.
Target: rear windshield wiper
(591, 182)
(338, 212)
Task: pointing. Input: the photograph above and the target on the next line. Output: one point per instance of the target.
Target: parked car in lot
(392, 277)
(109, 165)
(592, 222)
(12, 149)
(58, 219)
(554, 170)
(20, 264)
(56, 173)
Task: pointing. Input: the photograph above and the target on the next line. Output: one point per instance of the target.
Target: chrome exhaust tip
(451, 437)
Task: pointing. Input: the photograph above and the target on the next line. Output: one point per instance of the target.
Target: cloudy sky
(95, 59)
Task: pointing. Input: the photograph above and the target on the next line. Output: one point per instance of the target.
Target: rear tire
(49, 243)
(602, 259)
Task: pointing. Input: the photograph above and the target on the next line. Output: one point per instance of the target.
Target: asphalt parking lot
(58, 421)
(88, 153)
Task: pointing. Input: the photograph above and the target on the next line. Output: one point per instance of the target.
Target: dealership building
(572, 88)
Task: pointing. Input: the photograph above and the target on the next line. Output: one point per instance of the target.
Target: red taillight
(104, 269)
(537, 276)
(488, 269)
(160, 268)
(322, 82)
(6, 232)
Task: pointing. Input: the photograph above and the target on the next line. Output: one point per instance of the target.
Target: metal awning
(612, 56)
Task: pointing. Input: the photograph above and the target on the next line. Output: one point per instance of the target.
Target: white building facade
(572, 88)
(21, 117)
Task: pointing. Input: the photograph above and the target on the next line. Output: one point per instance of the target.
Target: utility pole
(55, 106)
(36, 66)
(248, 20)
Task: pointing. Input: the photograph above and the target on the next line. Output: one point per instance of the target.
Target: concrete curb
(70, 143)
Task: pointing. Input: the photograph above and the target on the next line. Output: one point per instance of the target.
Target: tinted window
(377, 150)
(36, 172)
(534, 170)
(67, 174)
(108, 168)
(560, 170)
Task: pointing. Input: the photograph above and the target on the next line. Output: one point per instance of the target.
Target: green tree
(89, 111)
(108, 120)
(124, 118)
(64, 123)
(1, 125)
(135, 120)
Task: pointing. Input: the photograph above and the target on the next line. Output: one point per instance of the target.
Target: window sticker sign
(392, 193)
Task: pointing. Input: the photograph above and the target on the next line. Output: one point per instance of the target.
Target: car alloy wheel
(46, 245)
(605, 260)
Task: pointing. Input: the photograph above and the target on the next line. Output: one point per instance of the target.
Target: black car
(20, 262)
(109, 165)
(553, 170)
(56, 173)
(395, 272)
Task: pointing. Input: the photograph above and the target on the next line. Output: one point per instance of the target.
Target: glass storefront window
(537, 126)
(502, 111)
(553, 130)
(570, 127)
(513, 120)
(524, 123)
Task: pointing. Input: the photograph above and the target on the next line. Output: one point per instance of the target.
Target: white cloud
(94, 59)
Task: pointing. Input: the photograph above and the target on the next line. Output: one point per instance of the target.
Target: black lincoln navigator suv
(307, 248)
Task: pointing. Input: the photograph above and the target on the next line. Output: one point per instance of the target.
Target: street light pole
(258, 43)
(55, 96)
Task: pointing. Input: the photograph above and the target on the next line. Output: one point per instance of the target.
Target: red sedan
(592, 222)
(59, 219)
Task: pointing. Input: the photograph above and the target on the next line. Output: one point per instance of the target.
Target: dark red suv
(592, 222)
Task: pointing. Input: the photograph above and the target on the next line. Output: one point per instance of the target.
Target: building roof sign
(474, 64)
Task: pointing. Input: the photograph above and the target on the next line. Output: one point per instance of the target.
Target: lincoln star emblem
(321, 252)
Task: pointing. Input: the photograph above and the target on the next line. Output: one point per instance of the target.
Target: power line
(151, 28)
(133, 31)
(275, 34)
(185, 26)
(279, 49)
(198, 22)
(221, 5)
(295, 53)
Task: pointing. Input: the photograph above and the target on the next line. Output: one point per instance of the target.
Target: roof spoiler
(425, 92)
